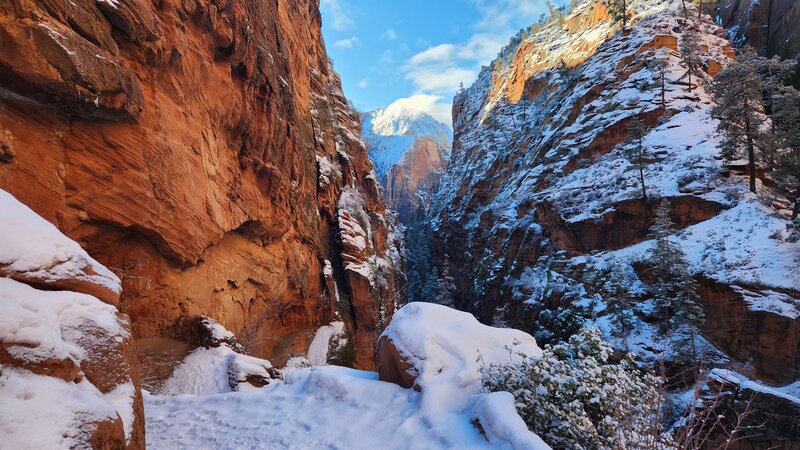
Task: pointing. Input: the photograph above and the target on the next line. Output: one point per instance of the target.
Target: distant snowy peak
(397, 120)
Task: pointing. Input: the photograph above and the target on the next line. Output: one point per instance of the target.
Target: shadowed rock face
(180, 144)
(770, 26)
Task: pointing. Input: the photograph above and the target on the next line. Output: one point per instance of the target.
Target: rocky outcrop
(762, 417)
(410, 184)
(185, 146)
(768, 26)
(65, 355)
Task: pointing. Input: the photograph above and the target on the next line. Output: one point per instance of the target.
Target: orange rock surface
(178, 142)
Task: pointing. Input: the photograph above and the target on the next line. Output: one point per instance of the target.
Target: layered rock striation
(202, 152)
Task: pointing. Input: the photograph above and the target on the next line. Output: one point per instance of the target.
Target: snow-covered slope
(539, 167)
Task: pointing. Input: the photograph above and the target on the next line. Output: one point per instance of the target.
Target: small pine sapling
(637, 153)
(690, 55)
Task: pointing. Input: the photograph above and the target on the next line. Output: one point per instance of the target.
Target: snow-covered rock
(68, 375)
(65, 356)
(34, 251)
(217, 370)
(442, 350)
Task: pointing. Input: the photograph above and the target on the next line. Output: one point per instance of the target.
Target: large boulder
(440, 351)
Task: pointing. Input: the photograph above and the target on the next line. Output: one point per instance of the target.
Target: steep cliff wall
(540, 197)
(770, 26)
(204, 152)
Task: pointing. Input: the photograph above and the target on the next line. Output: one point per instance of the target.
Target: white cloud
(390, 35)
(439, 69)
(346, 43)
(333, 10)
(429, 104)
(363, 83)
(440, 53)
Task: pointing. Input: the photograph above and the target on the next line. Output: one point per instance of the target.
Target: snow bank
(447, 348)
(217, 370)
(502, 425)
(321, 344)
(58, 331)
(319, 407)
(35, 249)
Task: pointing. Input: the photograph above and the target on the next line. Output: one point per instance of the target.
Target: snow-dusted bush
(574, 397)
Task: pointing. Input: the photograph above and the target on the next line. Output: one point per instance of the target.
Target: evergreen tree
(786, 118)
(637, 153)
(619, 12)
(674, 291)
(659, 68)
(619, 304)
(737, 92)
(690, 54)
(574, 397)
(423, 282)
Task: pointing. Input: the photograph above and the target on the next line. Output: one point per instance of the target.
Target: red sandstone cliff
(200, 150)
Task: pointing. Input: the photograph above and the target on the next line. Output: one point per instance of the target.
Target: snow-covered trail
(318, 408)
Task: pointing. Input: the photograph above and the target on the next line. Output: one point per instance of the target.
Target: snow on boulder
(66, 357)
(216, 366)
(35, 252)
(502, 426)
(440, 351)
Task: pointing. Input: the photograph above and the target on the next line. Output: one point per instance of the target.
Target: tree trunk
(663, 88)
(685, 11)
(751, 155)
(641, 173)
(796, 210)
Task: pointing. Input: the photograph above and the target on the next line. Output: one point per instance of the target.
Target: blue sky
(418, 50)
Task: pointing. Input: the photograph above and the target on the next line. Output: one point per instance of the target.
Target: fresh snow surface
(34, 246)
(44, 325)
(448, 347)
(336, 407)
(323, 339)
(322, 407)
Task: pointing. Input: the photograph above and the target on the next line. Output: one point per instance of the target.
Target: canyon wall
(770, 26)
(204, 152)
(540, 201)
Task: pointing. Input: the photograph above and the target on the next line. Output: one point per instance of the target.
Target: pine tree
(637, 154)
(423, 282)
(786, 117)
(674, 291)
(619, 304)
(619, 12)
(737, 93)
(690, 54)
(659, 68)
